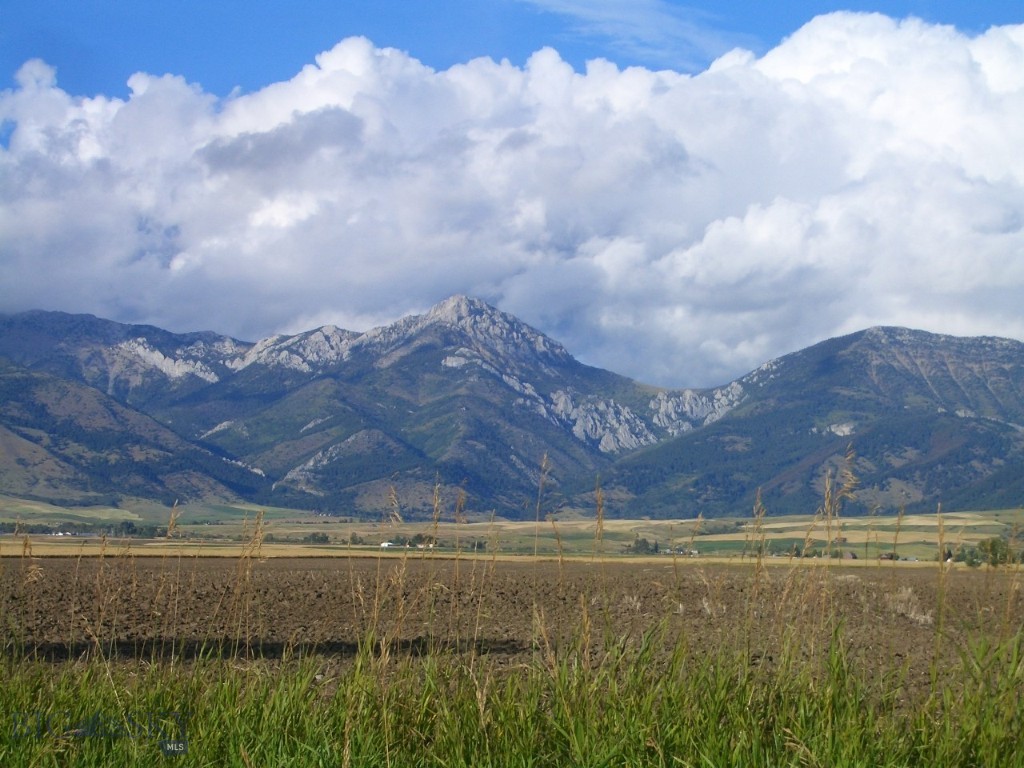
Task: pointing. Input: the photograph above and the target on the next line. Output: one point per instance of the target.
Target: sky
(677, 192)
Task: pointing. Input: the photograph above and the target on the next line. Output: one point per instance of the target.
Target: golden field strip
(96, 548)
(219, 532)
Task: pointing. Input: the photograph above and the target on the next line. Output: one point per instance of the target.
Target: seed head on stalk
(394, 508)
(173, 522)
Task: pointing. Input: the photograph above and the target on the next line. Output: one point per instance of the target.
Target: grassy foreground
(559, 710)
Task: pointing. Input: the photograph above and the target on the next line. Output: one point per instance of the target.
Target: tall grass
(632, 708)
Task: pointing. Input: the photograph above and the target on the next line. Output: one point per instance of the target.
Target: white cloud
(680, 229)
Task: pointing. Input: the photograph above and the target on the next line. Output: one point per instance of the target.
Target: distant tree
(968, 555)
(641, 546)
(994, 551)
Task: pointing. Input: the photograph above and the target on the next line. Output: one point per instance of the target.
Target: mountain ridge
(471, 398)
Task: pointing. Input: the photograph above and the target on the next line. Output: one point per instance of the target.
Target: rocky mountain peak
(458, 309)
(494, 329)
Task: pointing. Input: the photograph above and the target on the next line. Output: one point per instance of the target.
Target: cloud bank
(680, 229)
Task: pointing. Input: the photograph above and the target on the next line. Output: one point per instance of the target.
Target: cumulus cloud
(677, 228)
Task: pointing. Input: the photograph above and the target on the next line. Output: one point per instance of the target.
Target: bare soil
(908, 623)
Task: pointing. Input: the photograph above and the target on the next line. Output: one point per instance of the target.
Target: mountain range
(471, 401)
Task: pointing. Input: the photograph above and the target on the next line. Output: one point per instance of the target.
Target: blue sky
(720, 185)
(95, 45)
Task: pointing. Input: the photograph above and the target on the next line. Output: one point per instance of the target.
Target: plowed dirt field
(899, 620)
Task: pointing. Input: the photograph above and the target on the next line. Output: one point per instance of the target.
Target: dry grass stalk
(545, 467)
(172, 523)
(242, 603)
(599, 525)
(561, 559)
(460, 508)
(394, 508)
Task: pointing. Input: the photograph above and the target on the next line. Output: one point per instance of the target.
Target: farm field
(126, 607)
(221, 530)
(418, 658)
